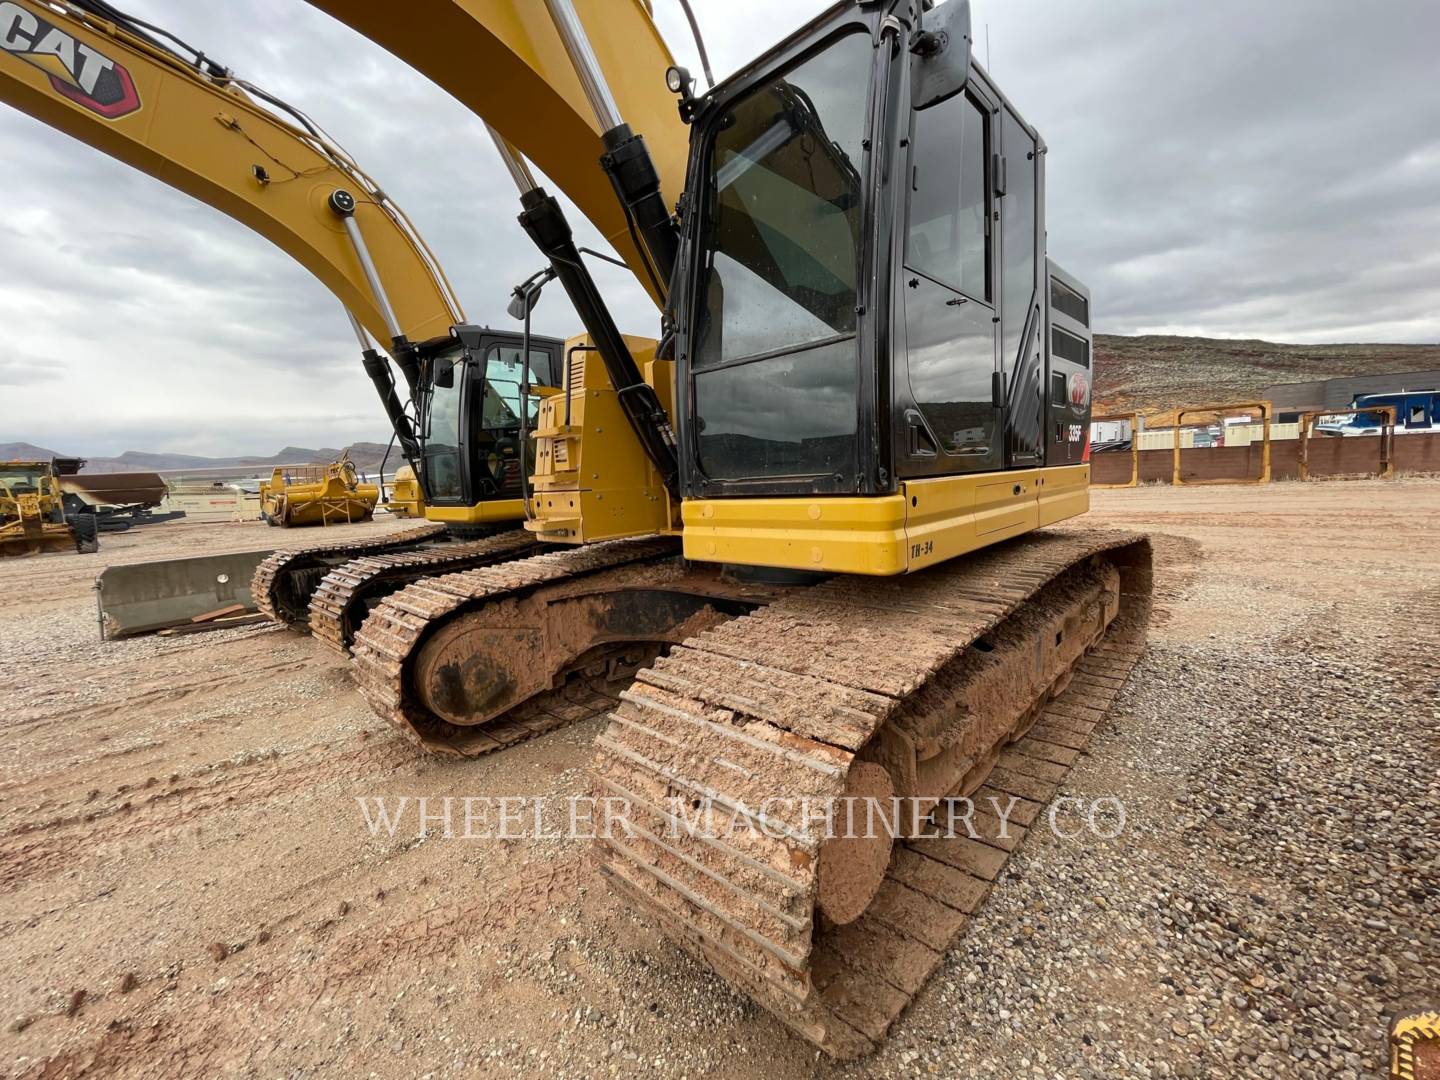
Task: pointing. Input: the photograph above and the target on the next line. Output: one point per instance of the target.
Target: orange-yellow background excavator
(138, 94)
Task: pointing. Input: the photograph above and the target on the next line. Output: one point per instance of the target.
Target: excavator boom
(505, 60)
(206, 135)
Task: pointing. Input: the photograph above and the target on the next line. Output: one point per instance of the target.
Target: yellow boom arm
(210, 138)
(505, 61)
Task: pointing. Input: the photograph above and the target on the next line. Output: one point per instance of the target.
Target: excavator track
(283, 583)
(385, 648)
(982, 678)
(346, 593)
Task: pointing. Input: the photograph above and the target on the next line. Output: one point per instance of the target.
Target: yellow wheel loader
(32, 512)
(808, 523)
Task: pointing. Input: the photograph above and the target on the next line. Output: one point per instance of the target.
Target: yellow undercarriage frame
(496, 512)
(927, 522)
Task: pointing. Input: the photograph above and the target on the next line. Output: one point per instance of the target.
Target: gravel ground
(1272, 903)
(179, 847)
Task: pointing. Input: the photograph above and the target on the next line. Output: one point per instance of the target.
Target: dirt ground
(188, 886)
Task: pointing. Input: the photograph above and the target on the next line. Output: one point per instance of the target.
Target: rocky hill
(366, 455)
(24, 451)
(1156, 373)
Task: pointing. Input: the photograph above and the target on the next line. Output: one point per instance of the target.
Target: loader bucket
(151, 596)
(37, 541)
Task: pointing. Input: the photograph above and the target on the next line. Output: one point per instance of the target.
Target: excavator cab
(861, 310)
(471, 422)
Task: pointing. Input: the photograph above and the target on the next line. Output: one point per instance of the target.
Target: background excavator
(142, 96)
(813, 508)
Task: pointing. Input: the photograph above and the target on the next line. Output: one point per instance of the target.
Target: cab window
(503, 376)
(949, 232)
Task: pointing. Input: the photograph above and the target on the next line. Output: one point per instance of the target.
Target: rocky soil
(187, 885)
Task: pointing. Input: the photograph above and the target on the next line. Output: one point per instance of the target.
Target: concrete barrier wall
(1235, 435)
(1329, 456)
(218, 505)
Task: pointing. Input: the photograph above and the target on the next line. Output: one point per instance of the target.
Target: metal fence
(1259, 456)
(1263, 474)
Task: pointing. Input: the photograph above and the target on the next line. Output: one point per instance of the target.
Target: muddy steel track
(282, 583)
(341, 601)
(386, 644)
(779, 705)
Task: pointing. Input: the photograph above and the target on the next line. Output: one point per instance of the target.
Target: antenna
(987, 48)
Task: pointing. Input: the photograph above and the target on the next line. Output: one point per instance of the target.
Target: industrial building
(1291, 399)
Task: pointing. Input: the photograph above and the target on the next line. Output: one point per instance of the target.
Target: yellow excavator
(812, 511)
(141, 95)
(807, 522)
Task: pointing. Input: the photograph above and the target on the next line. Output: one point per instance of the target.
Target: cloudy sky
(1227, 168)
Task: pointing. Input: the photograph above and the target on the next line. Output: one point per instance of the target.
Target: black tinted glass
(1067, 300)
(443, 478)
(792, 415)
(1069, 347)
(1017, 250)
(949, 234)
(783, 206)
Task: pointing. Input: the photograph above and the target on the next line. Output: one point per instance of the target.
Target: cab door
(1022, 345)
(492, 453)
(442, 431)
(944, 388)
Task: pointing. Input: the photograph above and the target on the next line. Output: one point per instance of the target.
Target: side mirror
(445, 374)
(524, 298)
(940, 54)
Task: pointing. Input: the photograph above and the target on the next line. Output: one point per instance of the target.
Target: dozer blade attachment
(15, 545)
(149, 596)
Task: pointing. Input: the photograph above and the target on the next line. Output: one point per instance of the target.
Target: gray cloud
(1232, 169)
(1250, 170)
(29, 371)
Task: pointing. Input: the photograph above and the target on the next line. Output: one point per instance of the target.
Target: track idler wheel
(853, 862)
(484, 663)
